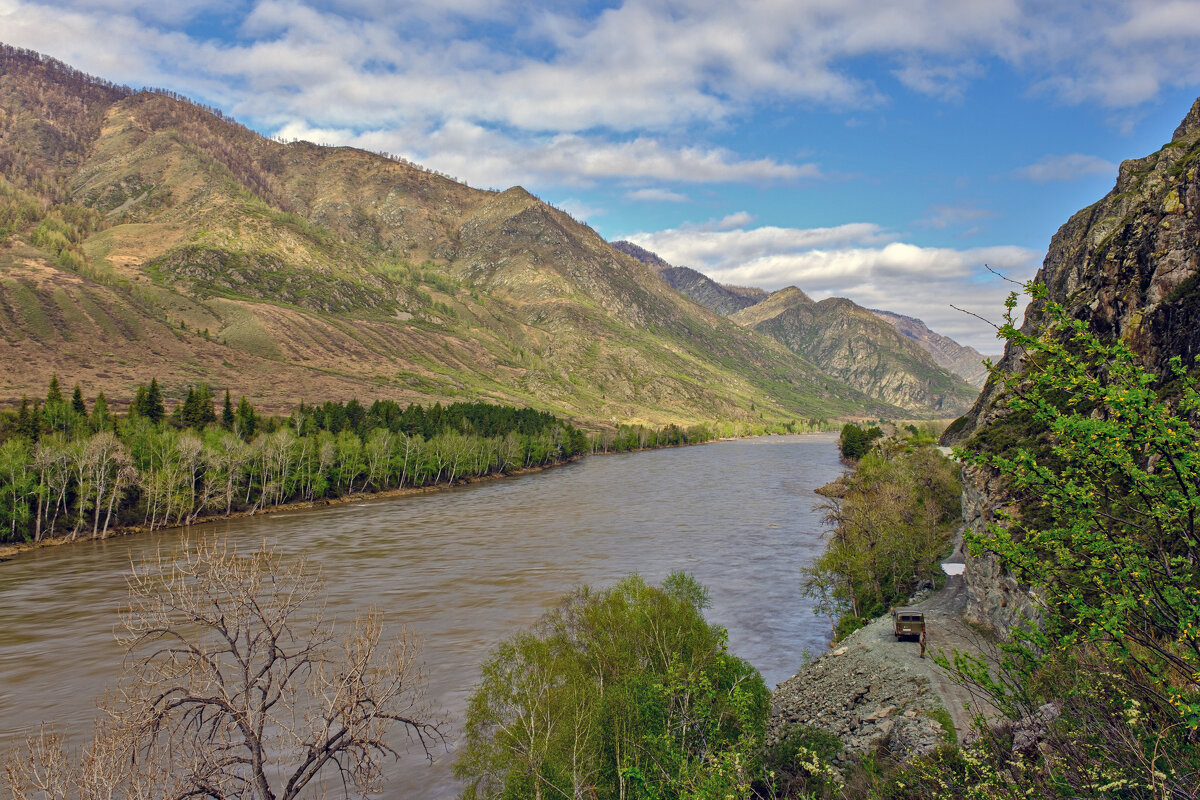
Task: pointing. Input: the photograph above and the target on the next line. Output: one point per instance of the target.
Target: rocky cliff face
(696, 286)
(1129, 266)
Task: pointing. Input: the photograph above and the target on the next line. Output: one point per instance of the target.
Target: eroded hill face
(965, 362)
(917, 370)
(145, 236)
(853, 344)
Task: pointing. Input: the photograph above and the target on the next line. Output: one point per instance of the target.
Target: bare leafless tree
(236, 685)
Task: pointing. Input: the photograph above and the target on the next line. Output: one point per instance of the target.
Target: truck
(908, 622)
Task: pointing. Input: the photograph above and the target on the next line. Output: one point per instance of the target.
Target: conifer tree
(154, 409)
(138, 407)
(100, 418)
(247, 421)
(204, 402)
(27, 420)
(54, 393)
(227, 418)
(77, 404)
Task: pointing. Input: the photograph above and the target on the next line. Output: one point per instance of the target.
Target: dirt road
(872, 686)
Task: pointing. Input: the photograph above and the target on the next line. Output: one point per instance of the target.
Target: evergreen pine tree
(247, 422)
(138, 408)
(27, 420)
(227, 417)
(204, 406)
(54, 394)
(100, 419)
(155, 411)
(188, 413)
(77, 404)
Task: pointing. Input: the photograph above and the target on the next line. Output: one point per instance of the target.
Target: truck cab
(908, 622)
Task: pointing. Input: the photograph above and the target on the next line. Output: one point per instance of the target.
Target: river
(467, 567)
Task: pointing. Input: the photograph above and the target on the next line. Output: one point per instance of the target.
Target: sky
(889, 152)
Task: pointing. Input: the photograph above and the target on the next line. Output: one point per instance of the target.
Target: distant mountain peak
(966, 362)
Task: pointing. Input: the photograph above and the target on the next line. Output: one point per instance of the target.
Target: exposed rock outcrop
(864, 695)
(1129, 266)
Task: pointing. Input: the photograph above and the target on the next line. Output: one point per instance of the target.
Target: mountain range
(892, 358)
(143, 235)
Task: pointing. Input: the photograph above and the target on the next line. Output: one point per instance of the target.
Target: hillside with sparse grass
(144, 235)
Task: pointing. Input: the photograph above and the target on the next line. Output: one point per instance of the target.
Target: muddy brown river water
(467, 567)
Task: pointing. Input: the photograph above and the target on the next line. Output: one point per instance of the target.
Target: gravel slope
(872, 690)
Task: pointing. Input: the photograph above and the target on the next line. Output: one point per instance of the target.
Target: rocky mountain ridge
(146, 235)
(965, 362)
(841, 337)
(852, 343)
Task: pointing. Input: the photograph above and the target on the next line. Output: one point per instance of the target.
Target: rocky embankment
(872, 690)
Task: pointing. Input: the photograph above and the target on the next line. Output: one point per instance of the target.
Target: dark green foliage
(856, 442)
(623, 693)
(892, 521)
(1112, 467)
(54, 393)
(77, 404)
(245, 420)
(100, 417)
(197, 408)
(148, 402)
(227, 417)
(176, 470)
(797, 766)
(27, 421)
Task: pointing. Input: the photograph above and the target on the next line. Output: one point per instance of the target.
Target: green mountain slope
(145, 235)
(852, 344)
(965, 362)
(895, 359)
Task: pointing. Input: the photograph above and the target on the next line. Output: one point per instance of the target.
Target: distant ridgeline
(66, 469)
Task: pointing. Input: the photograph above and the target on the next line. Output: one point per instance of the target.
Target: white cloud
(942, 216)
(486, 157)
(1155, 22)
(579, 209)
(715, 246)
(1066, 168)
(946, 81)
(656, 196)
(859, 261)
(553, 82)
(738, 219)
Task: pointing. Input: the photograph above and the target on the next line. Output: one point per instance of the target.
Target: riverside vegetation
(892, 519)
(628, 693)
(1097, 694)
(69, 470)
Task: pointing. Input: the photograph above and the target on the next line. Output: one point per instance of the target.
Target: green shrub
(626, 692)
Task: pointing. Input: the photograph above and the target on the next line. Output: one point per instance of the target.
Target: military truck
(908, 622)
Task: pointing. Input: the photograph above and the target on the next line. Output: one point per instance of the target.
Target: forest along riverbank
(466, 568)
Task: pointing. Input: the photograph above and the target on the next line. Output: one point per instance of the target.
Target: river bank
(10, 550)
